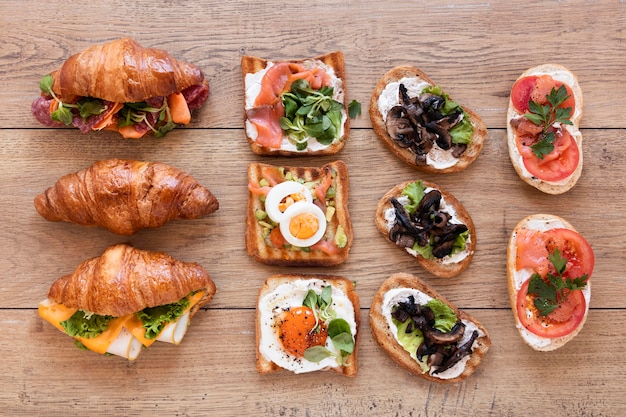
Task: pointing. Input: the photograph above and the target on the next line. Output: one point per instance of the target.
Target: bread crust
(123, 71)
(335, 60)
(124, 280)
(265, 366)
(264, 253)
(473, 149)
(125, 196)
(431, 265)
(385, 338)
(556, 342)
(547, 187)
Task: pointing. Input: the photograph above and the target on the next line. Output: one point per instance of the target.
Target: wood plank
(474, 50)
(212, 371)
(38, 251)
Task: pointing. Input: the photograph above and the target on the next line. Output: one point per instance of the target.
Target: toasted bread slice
(438, 160)
(447, 266)
(540, 222)
(564, 75)
(267, 314)
(334, 247)
(384, 334)
(331, 62)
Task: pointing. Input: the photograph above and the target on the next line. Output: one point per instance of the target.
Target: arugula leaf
(84, 324)
(547, 115)
(354, 109)
(551, 292)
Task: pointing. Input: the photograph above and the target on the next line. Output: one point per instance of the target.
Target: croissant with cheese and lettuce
(127, 299)
(121, 86)
(125, 196)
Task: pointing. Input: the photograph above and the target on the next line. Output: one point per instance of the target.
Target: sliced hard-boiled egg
(303, 224)
(282, 196)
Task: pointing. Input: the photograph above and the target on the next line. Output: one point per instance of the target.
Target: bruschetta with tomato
(549, 266)
(544, 140)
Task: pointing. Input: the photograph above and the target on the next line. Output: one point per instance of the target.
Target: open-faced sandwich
(549, 267)
(121, 86)
(425, 333)
(295, 107)
(544, 140)
(125, 196)
(127, 299)
(430, 224)
(298, 216)
(422, 125)
(307, 323)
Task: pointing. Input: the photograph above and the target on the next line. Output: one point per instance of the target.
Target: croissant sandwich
(121, 86)
(127, 299)
(124, 196)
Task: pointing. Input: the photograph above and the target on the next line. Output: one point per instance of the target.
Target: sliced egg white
(289, 228)
(278, 192)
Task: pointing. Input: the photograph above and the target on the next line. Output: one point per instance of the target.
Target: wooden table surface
(475, 50)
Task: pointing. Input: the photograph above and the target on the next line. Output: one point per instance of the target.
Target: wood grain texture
(474, 50)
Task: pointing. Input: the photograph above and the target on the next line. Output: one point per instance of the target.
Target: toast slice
(383, 331)
(254, 69)
(538, 222)
(415, 151)
(446, 266)
(264, 240)
(562, 74)
(284, 291)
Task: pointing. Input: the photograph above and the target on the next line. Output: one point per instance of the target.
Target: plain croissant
(124, 280)
(124, 196)
(123, 71)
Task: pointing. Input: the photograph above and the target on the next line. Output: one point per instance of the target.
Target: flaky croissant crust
(124, 196)
(124, 71)
(124, 280)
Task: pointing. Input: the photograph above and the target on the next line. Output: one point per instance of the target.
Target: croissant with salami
(126, 299)
(121, 86)
(125, 196)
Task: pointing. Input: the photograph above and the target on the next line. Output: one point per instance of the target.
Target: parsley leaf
(547, 115)
(354, 109)
(551, 292)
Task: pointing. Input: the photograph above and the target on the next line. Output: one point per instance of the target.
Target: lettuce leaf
(85, 324)
(415, 192)
(444, 315)
(156, 318)
(462, 132)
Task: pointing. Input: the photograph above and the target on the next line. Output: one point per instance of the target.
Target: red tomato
(520, 93)
(555, 166)
(539, 87)
(534, 247)
(561, 322)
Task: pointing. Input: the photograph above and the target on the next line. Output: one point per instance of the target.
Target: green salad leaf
(462, 132)
(156, 318)
(85, 324)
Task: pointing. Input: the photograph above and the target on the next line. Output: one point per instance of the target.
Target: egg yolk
(289, 200)
(298, 332)
(304, 225)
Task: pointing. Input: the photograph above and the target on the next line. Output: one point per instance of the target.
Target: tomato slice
(537, 87)
(555, 166)
(534, 247)
(561, 322)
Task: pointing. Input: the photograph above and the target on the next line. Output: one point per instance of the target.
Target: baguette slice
(384, 335)
(538, 222)
(404, 153)
(444, 267)
(266, 365)
(251, 65)
(259, 246)
(560, 73)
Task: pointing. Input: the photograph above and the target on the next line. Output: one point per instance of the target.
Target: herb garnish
(338, 329)
(552, 292)
(545, 116)
(63, 114)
